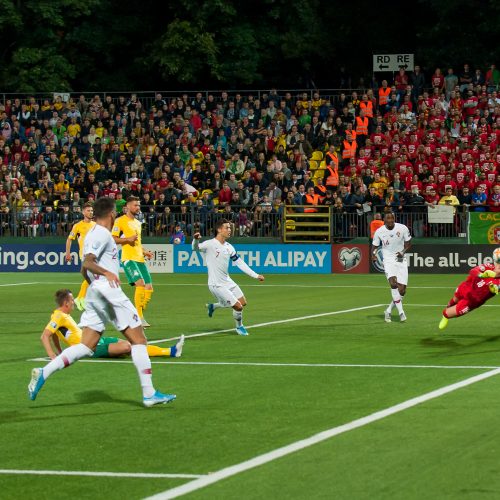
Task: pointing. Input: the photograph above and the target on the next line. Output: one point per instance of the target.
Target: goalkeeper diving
(480, 286)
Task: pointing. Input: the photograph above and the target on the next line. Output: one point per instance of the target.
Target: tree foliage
(61, 45)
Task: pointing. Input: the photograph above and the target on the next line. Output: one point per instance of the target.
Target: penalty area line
(98, 474)
(315, 439)
(277, 322)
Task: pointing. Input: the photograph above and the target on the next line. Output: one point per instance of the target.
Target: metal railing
(290, 223)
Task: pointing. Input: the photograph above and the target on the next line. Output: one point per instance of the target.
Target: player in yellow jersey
(79, 231)
(127, 232)
(63, 328)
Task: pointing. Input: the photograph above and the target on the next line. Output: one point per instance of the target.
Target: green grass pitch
(239, 397)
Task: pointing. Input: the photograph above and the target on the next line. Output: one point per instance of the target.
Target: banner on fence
(279, 258)
(440, 214)
(351, 258)
(484, 227)
(446, 259)
(36, 258)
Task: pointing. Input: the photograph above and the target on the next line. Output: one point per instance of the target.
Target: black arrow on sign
(382, 67)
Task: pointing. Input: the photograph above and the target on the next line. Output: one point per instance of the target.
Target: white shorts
(398, 269)
(105, 304)
(227, 295)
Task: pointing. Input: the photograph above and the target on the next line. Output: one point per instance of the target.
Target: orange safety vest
(352, 133)
(333, 178)
(368, 107)
(334, 158)
(312, 200)
(322, 196)
(349, 149)
(383, 95)
(374, 225)
(361, 125)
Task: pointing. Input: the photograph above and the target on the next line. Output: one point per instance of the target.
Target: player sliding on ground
(218, 253)
(106, 303)
(481, 285)
(395, 240)
(63, 328)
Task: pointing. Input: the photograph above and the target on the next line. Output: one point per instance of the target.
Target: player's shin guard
(83, 290)
(139, 300)
(142, 363)
(147, 297)
(238, 317)
(66, 358)
(396, 298)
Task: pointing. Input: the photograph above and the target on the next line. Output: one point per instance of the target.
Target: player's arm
(406, 247)
(196, 246)
(245, 267)
(69, 240)
(119, 238)
(90, 265)
(375, 245)
(45, 338)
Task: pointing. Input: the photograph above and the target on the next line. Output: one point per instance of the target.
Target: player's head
(104, 209)
(389, 220)
(133, 205)
(64, 298)
(223, 227)
(88, 210)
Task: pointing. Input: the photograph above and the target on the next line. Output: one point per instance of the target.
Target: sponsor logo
(350, 257)
(378, 264)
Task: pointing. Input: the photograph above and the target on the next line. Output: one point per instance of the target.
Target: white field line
(97, 474)
(277, 322)
(293, 365)
(317, 438)
(19, 284)
(267, 285)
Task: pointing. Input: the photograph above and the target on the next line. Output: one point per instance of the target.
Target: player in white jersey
(106, 303)
(394, 240)
(218, 252)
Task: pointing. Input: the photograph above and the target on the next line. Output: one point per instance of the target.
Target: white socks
(66, 358)
(142, 362)
(238, 317)
(397, 300)
(218, 305)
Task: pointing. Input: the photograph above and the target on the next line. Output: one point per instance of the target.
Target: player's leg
(93, 322)
(222, 300)
(133, 275)
(396, 297)
(148, 283)
(238, 310)
(461, 293)
(111, 347)
(80, 299)
(126, 319)
(402, 282)
(171, 352)
(461, 308)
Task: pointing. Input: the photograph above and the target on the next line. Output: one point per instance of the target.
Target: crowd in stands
(416, 141)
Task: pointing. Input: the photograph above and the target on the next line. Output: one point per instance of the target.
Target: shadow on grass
(457, 345)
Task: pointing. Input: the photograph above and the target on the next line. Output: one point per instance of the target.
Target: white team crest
(350, 257)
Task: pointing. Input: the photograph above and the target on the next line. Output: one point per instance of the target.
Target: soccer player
(394, 240)
(62, 328)
(127, 232)
(79, 231)
(106, 302)
(481, 285)
(218, 254)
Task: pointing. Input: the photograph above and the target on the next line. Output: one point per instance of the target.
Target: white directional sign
(392, 62)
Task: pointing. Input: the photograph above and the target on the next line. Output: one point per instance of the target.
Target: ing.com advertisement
(37, 258)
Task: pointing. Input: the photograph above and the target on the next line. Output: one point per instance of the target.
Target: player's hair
(389, 213)
(103, 207)
(88, 205)
(61, 296)
(132, 198)
(219, 224)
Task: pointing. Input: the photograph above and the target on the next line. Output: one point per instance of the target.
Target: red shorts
(465, 302)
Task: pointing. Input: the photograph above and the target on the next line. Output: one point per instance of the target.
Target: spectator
(479, 200)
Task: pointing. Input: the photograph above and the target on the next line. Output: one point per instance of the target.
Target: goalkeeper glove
(493, 288)
(488, 274)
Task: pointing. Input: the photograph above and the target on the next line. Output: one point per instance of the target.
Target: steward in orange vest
(367, 107)
(349, 150)
(361, 125)
(311, 199)
(320, 190)
(383, 94)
